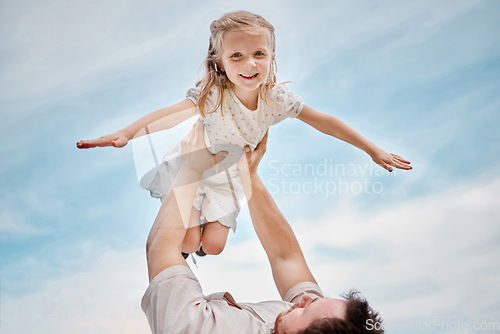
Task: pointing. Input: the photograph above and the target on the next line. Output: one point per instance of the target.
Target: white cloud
(105, 299)
(57, 44)
(433, 256)
(15, 226)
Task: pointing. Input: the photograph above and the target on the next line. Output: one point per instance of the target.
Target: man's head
(324, 315)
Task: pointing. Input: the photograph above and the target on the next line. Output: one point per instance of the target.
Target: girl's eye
(259, 53)
(236, 55)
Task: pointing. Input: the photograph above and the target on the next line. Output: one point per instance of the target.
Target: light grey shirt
(174, 303)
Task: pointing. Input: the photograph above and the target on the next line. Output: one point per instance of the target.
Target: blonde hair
(214, 78)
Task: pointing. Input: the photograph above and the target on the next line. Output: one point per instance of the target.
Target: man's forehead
(336, 307)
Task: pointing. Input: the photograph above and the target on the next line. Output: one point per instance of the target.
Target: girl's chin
(247, 84)
(246, 88)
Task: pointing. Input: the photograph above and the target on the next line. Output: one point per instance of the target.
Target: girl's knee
(213, 247)
(190, 247)
(214, 238)
(191, 242)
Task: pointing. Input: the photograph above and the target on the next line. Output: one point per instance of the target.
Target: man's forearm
(271, 227)
(276, 236)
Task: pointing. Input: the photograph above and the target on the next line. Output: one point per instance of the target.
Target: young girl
(238, 100)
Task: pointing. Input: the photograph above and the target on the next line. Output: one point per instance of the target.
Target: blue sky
(420, 79)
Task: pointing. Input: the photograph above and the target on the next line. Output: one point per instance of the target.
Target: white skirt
(218, 197)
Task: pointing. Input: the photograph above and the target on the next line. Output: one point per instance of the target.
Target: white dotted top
(241, 126)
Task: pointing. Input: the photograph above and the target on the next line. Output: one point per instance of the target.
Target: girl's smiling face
(246, 59)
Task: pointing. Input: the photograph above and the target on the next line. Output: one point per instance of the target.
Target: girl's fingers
(385, 165)
(94, 143)
(400, 165)
(401, 159)
(85, 144)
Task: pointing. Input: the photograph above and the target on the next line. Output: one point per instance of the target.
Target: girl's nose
(250, 63)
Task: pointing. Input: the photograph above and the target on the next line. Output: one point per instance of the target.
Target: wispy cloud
(15, 227)
(424, 258)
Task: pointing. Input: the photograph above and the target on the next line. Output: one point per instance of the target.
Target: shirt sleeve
(192, 94)
(174, 301)
(295, 293)
(287, 104)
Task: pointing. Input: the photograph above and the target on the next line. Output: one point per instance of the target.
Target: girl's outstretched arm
(334, 127)
(161, 119)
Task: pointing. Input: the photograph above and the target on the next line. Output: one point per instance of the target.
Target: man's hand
(118, 139)
(249, 163)
(253, 158)
(195, 155)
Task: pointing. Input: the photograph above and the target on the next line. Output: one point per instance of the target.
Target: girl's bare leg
(214, 237)
(192, 239)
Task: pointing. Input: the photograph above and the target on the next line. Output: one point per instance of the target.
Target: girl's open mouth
(249, 76)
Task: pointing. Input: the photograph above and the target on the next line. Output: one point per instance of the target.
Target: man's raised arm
(275, 234)
(163, 248)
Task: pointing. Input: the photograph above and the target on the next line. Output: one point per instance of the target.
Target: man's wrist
(255, 180)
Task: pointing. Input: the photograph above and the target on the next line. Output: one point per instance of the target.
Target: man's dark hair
(360, 318)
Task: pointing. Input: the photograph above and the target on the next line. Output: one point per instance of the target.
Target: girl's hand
(386, 160)
(118, 139)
